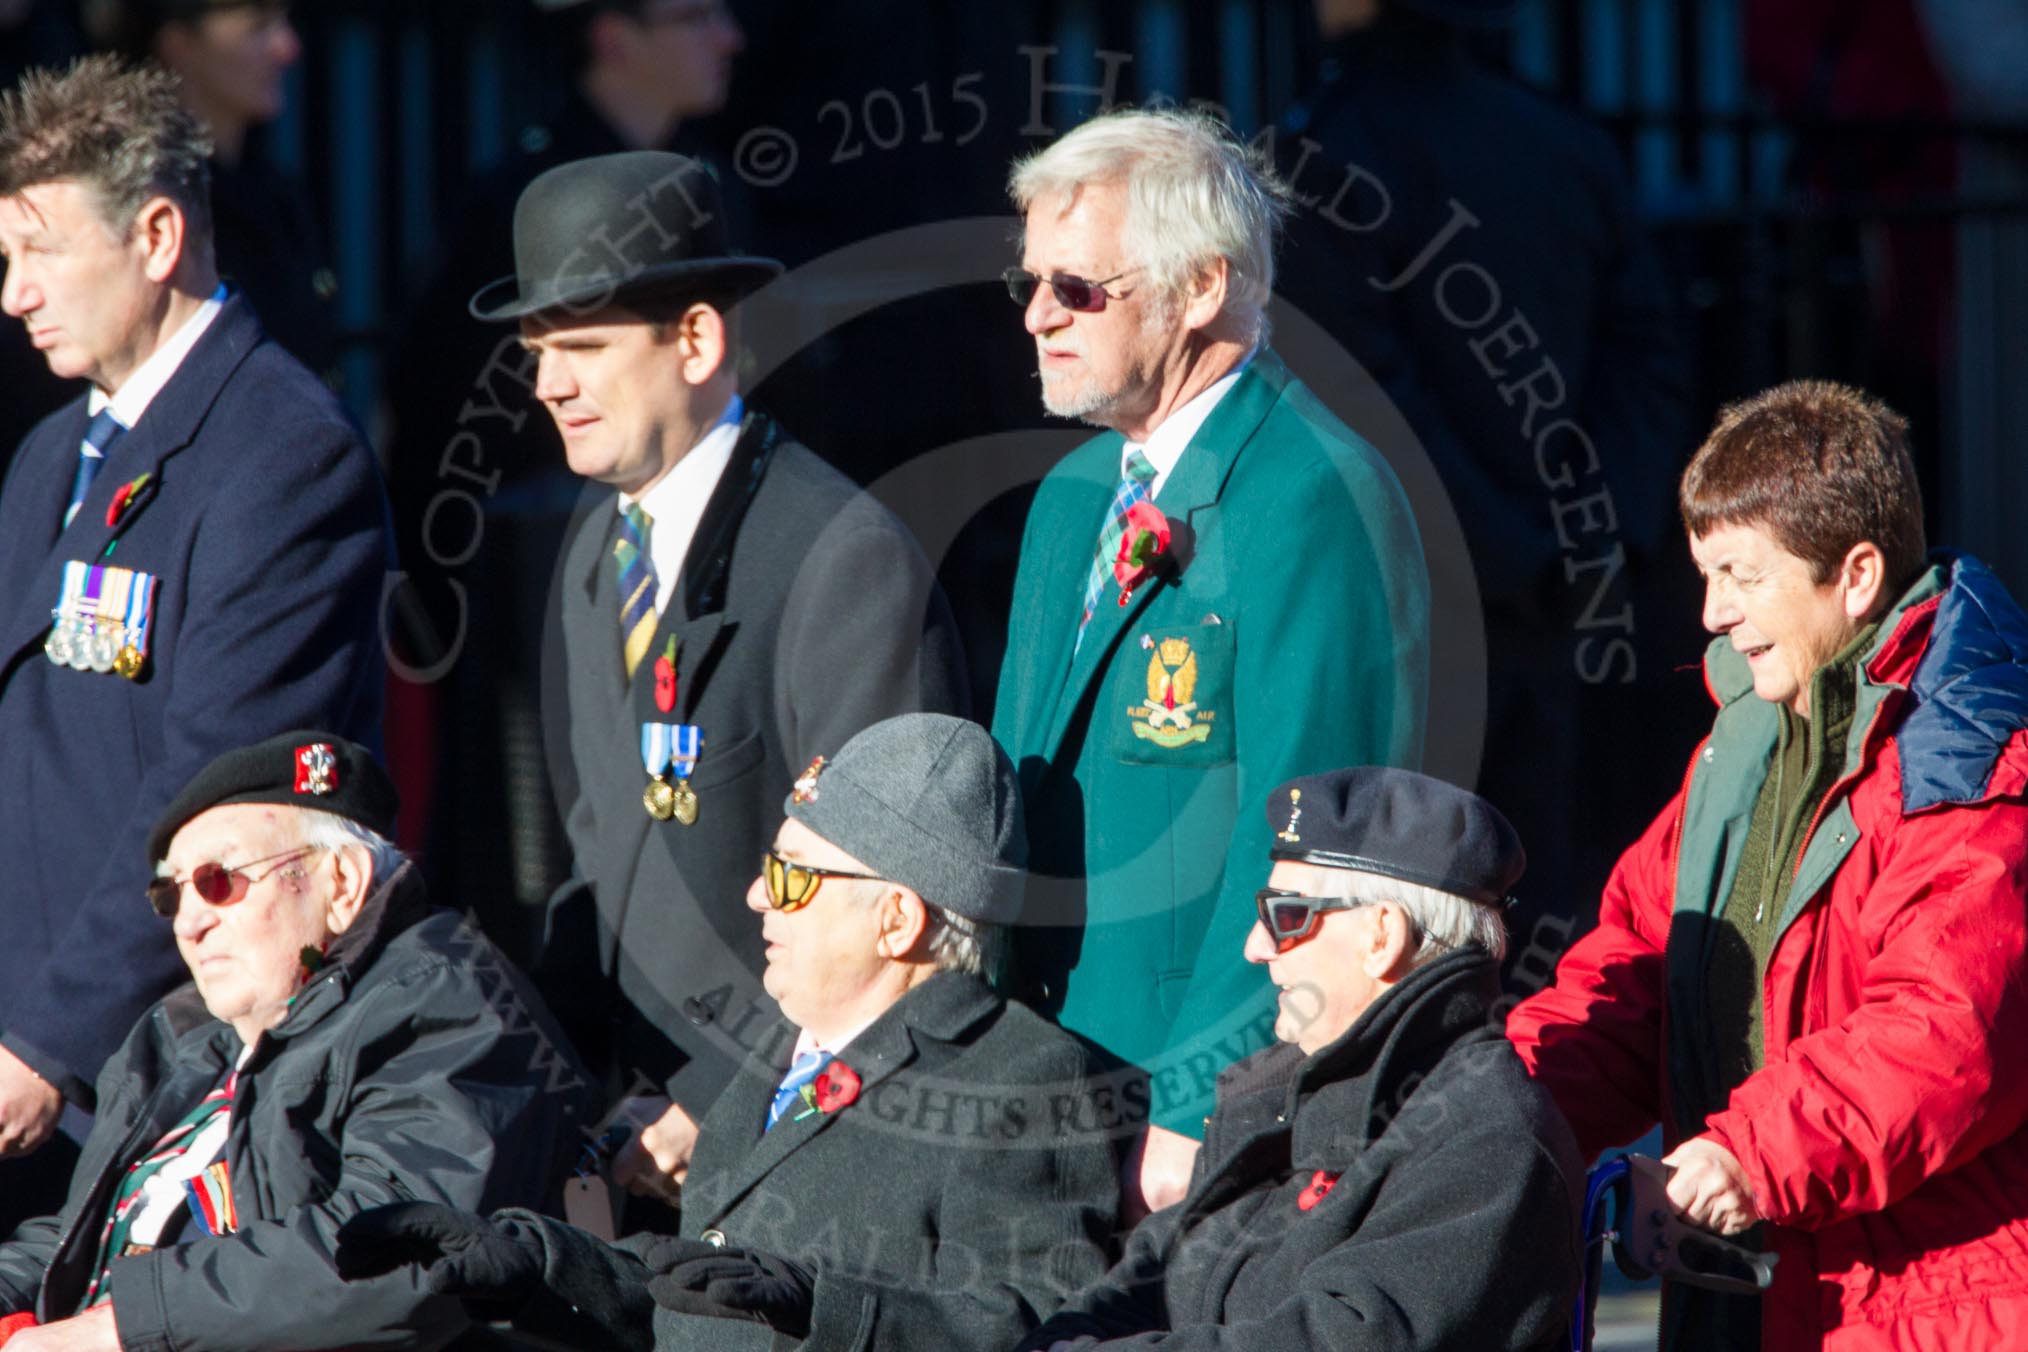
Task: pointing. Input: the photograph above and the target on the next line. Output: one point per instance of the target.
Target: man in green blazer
(1224, 591)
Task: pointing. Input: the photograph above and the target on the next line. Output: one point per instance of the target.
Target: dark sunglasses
(1290, 917)
(790, 886)
(217, 884)
(1072, 293)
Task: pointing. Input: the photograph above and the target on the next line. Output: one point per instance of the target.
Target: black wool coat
(804, 612)
(952, 1204)
(1452, 1221)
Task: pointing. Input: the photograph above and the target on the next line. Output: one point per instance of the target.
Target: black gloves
(462, 1254)
(741, 1284)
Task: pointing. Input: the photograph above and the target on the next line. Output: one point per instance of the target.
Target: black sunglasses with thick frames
(1291, 917)
(1072, 293)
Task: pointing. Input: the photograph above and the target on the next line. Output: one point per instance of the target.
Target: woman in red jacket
(1812, 969)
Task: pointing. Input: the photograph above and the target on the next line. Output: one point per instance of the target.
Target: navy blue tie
(100, 434)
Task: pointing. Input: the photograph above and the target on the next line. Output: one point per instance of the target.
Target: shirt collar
(806, 1041)
(131, 400)
(1166, 444)
(701, 466)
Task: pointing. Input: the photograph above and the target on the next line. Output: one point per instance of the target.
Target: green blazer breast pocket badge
(1177, 705)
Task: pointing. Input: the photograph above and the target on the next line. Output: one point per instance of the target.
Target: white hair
(1195, 193)
(330, 831)
(956, 943)
(1444, 921)
(960, 944)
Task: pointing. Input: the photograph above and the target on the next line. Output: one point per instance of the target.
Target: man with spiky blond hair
(191, 555)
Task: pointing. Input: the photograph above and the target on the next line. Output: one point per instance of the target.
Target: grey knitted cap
(928, 801)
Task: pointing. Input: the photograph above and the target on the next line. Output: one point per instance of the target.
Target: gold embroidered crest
(1171, 717)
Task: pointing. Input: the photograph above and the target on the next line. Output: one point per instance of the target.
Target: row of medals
(665, 800)
(83, 646)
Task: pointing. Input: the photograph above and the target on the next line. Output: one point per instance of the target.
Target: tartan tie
(805, 1071)
(1133, 488)
(637, 585)
(100, 434)
(120, 1216)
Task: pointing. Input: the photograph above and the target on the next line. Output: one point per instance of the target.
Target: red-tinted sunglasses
(1290, 917)
(217, 884)
(1072, 293)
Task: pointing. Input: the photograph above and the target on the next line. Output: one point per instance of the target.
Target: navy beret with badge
(295, 769)
(1399, 824)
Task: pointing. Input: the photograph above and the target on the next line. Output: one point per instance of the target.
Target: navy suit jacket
(264, 518)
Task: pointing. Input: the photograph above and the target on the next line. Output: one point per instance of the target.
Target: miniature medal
(660, 800)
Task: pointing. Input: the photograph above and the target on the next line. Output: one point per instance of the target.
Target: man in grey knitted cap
(910, 1170)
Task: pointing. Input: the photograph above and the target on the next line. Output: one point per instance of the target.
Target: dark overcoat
(952, 1204)
(1451, 1223)
(418, 1064)
(262, 515)
(804, 612)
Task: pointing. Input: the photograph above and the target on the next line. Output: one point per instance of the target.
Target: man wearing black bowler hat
(731, 609)
(1389, 1178)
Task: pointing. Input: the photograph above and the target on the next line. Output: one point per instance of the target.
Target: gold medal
(685, 806)
(129, 662)
(661, 800)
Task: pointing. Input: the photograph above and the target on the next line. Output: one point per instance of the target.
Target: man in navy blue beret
(1388, 1176)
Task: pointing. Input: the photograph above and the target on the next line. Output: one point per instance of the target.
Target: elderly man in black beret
(1389, 1178)
(906, 1170)
(342, 1045)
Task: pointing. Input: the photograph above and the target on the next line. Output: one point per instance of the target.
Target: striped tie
(804, 1072)
(637, 585)
(1132, 489)
(100, 434)
(127, 1198)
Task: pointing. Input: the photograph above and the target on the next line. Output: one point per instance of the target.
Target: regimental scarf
(208, 1194)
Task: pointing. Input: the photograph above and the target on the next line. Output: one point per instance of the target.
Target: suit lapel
(941, 1009)
(874, 1056)
(1190, 492)
(695, 617)
(169, 425)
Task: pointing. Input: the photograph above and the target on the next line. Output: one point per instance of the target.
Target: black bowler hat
(1401, 825)
(588, 232)
(296, 769)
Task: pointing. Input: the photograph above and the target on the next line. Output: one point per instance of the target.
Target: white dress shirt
(1165, 446)
(676, 502)
(131, 400)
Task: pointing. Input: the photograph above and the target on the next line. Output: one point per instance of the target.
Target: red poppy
(665, 679)
(837, 1087)
(1320, 1183)
(120, 500)
(1145, 539)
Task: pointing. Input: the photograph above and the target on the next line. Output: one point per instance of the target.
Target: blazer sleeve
(421, 1122)
(279, 631)
(866, 634)
(1593, 1038)
(1353, 600)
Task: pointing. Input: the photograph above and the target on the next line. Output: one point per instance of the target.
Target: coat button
(715, 1238)
(697, 1011)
